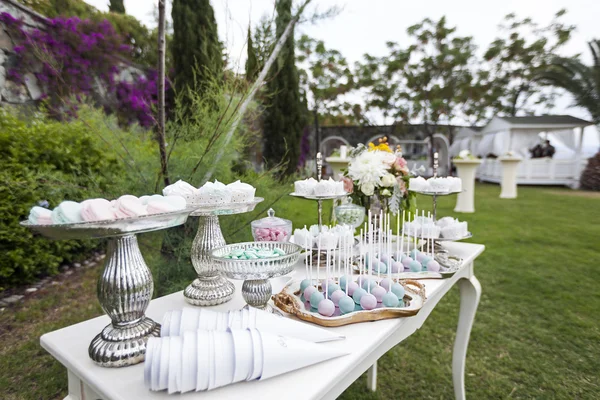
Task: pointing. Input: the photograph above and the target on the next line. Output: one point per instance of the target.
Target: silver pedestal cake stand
(256, 289)
(210, 287)
(125, 287)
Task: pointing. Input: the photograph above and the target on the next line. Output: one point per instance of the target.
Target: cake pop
(415, 266)
(397, 266)
(368, 301)
(390, 299)
(385, 283)
(351, 287)
(378, 292)
(326, 307)
(315, 299)
(336, 296)
(398, 290)
(332, 287)
(304, 284)
(308, 292)
(347, 304)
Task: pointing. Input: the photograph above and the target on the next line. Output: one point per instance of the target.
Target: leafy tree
(252, 69)
(263, 41)
(433, 81)
(327, 77)
(196, 48)
(582, 81)
(283, 115)
(518, 58)
(117, 6)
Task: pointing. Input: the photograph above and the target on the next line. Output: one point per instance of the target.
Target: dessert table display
(365, 343)
(125, 287)
(210, 201)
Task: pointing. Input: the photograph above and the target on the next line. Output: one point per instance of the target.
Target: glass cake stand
(210, 287)
(256, 289)
(125, 287)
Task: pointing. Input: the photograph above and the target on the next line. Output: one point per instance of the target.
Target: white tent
(467, 138)
(519, 134)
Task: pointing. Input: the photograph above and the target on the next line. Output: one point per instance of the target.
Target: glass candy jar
(350, 214)
(271, 228)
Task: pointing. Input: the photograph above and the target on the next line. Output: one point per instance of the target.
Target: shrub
(45, 161)
(590, 177)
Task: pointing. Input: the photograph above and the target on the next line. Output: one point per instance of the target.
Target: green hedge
(45, 160)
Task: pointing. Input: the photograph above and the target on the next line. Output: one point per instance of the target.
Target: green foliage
(45, 160)
(252, 70)
(117, 6)
(283, 121)
(196, 47)
(582, 81)
(327, 76)
(518, 58)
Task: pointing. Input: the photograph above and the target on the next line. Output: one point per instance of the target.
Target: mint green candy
(251, 256)
(278, 251)
(238, 252)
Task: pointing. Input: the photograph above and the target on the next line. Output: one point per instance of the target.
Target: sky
(364, 26)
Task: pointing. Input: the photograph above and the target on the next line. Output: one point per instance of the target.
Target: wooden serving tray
(288, 301)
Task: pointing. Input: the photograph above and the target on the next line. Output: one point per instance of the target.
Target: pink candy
(271, 235)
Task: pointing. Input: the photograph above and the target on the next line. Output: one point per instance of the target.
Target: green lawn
(536, 334)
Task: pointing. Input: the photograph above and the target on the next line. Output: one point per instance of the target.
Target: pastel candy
(279, 251)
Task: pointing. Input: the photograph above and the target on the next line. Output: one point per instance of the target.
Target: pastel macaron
(129, 206)
(97, 210)
(67, 212)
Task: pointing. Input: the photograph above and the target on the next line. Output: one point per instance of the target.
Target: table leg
(372, 377)
(470, 292)
(78, 390)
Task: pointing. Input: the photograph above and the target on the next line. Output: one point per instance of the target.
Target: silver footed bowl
(260, 268)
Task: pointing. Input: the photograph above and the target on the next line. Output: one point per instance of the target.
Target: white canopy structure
(467, 138)
(519, 134)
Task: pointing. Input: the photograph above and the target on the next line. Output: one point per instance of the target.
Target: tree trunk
(164, 168)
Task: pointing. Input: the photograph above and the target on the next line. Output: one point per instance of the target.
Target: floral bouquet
(378, 174)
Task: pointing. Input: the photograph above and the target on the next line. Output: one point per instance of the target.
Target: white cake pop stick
(318, 260)
(327, 273)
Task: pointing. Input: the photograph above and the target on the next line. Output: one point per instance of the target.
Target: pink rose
(348, 184)
(400, 163)
(401, 185)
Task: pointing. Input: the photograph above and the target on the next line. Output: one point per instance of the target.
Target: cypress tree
(251, 62)
(283, 114)
(117, 6)
(196, 48)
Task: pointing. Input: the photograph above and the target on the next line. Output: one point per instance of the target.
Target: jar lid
(271, 220)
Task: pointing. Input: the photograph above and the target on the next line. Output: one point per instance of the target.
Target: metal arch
(331, 138)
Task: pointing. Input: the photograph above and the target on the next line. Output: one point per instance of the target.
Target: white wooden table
(366, 341)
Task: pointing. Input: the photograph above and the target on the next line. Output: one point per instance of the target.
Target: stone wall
(27, 94)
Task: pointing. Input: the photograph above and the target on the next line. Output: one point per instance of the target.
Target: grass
(536, 333)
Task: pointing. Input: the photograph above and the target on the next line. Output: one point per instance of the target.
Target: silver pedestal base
(210, 288)
(257, 293)
(123, 346)
(124, 292)
(209, 291)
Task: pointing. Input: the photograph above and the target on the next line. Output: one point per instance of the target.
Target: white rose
(388, 158)
(464, 154)
(388, 180)
(368, 189)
